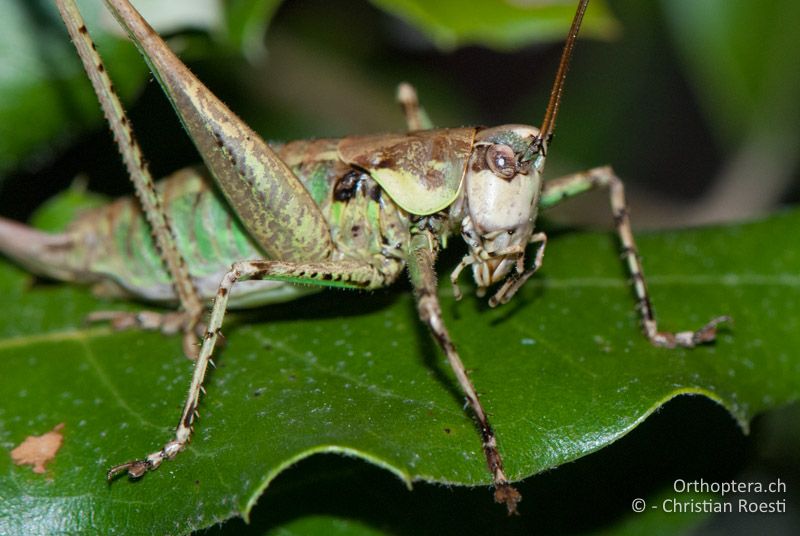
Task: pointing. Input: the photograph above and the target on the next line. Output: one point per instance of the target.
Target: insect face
(501, 195)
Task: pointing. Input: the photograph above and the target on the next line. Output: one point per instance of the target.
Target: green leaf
(563, 371)
(46, 100)
(743, 87)
(246, 22)
(45, 97)
(500, 24)
(44, 92)
(57, 212)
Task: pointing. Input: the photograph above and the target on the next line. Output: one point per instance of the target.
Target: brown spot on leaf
(38, 450)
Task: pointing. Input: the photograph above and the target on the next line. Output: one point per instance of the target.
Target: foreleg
(423, 277)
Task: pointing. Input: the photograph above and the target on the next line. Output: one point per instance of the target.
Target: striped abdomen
(112, 245)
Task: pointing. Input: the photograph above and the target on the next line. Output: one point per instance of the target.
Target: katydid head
(502, 184)
(501, 193)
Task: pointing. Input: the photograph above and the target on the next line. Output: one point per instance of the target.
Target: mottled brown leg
(139, 174)
(603, 177)
(350, 274)
(423, 277)
(168, 323)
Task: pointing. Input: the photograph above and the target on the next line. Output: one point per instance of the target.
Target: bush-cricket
(351, 212)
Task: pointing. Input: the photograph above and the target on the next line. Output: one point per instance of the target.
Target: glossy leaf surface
(563, 371)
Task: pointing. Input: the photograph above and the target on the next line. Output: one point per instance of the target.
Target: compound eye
(502, 161)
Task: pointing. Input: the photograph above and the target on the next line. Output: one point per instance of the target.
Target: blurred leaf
(742, 57)
(563, 372)
(45, 99)
(171, 17)
(501, 24)
(44, 92)
(246, 23)
(55, 213)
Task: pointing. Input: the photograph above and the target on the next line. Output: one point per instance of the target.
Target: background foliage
(700, 123)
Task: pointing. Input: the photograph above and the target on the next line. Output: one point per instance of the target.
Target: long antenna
(546, 130)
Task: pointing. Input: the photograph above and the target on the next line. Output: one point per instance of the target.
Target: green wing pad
(421, 171)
